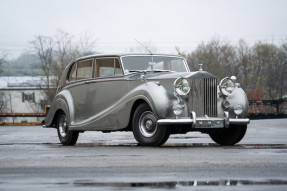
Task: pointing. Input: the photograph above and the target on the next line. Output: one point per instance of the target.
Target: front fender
(155, 95)
(237, 97)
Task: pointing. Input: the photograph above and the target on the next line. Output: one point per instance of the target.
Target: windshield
(153, 63)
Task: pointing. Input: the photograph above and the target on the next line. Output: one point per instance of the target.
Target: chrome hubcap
(63, 128)
(148, 124)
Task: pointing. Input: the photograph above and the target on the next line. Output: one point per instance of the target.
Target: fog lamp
(177, 109)
(238, 109)
(225, 104)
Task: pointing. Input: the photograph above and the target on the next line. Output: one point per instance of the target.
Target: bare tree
(65, 52)
(86, 44)
(217, 56)
(3, 100)
(3, 58)
(283, 71)
(55, 53)
(266, 66)
(244, 61)
(43, 47)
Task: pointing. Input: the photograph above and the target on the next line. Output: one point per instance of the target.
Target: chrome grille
(204, 96)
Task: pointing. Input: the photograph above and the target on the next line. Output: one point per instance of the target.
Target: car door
(97, 98)
(80, 75)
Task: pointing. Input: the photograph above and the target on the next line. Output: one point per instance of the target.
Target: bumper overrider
(206, 122)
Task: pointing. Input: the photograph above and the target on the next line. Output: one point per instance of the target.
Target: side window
(81, 70)
(108, 67)
(85, 69)
(73, 73)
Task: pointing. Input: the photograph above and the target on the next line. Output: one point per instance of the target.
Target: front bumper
(205, 122)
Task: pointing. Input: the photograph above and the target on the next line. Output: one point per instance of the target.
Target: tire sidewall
(160, 136)
(230, 136)
(71, 136)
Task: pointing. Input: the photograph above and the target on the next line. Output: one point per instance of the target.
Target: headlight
(226, 86)
(181, 86)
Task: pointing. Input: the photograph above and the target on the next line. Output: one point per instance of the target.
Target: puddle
(239, 146)
(173, 184)
(106, 144)
(264, 146)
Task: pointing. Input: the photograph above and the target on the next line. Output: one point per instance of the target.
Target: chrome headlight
(181, 86)
(226, 86)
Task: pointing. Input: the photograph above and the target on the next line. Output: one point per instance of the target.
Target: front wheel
(229, 136)
(145, 128)
(66, 136)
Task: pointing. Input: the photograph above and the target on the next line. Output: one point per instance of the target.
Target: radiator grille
(204, 96)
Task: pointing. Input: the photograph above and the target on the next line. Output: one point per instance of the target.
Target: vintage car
(151, 95)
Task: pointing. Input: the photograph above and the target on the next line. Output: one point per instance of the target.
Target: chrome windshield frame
(140, 55)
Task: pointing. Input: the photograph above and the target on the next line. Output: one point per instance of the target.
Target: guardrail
(22, 114)
(267, 109)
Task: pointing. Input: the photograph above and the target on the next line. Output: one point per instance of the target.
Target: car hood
(174, 75)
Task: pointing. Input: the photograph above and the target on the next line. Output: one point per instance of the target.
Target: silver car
(151, 95)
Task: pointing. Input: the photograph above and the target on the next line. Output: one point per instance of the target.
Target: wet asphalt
(31, 158)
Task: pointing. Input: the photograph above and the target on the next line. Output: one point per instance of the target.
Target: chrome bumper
(205, 122)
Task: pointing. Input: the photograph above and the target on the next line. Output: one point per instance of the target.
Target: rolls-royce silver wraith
(153, 96)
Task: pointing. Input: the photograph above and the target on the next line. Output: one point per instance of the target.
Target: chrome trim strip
(226, 119)
(174, 121)
(239, 121)
(193, 114)
(153, 55)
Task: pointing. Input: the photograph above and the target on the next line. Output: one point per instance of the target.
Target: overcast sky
(165, 23)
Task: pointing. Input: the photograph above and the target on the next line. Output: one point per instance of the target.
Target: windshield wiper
(145, 71)
(136, 71)
(161, 70)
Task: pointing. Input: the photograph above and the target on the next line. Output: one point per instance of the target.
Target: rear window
(81, 70)
(85, 69)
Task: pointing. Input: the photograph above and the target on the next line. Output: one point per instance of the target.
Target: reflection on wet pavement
(167, 145)
(195, 145)
(173, 184)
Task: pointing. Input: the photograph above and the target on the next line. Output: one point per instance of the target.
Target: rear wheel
(145, 128)
(229, 136)
(66, 136)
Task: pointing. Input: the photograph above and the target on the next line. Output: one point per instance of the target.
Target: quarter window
(73, 73)
(108, 67)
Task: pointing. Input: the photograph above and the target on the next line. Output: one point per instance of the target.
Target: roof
(120, 55)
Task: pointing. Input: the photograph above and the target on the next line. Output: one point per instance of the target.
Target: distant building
(22, 95)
